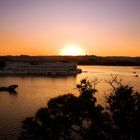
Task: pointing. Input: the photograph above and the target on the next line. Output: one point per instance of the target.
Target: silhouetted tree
(2, 65)
(124, 107)
(69, 117)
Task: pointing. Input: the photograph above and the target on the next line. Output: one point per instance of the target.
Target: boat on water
(136, 75)
(10, 88)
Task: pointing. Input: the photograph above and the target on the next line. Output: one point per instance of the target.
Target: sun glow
(72, 50)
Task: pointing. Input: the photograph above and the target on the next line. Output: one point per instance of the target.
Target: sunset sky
(45, 27)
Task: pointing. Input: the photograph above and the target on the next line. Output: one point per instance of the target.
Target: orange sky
(43, 28)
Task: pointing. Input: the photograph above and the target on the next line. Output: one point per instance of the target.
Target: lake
(34, 92)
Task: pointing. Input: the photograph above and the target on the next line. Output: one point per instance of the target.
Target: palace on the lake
(49, 68)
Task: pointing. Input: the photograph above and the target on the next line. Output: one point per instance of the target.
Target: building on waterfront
(52, 68)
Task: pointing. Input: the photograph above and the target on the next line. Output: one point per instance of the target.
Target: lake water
(33, 93)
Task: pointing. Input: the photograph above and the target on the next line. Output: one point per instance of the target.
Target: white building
(53, 68)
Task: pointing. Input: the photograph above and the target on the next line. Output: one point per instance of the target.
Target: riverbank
(80, 60)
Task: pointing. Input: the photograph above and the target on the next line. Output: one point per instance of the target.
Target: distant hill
(80, 60)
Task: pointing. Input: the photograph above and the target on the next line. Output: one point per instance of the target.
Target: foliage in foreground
(70, 117)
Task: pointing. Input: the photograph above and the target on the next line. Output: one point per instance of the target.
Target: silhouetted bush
(70, 117)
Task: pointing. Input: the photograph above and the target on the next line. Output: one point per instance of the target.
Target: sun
(72, 49)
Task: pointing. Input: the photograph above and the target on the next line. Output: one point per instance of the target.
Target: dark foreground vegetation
(70, 117)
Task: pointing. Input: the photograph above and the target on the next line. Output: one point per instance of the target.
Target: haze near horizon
(49, 27)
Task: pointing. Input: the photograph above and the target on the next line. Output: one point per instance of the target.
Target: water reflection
(12, 93)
